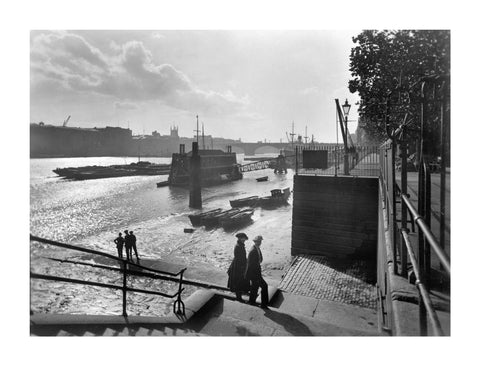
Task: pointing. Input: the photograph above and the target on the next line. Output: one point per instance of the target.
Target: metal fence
(126, 268)
(405, 252)
(358, 161)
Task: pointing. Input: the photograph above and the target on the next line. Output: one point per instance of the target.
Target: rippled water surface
(91, 213)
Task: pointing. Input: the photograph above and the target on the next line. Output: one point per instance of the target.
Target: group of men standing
(129, 241)
(245, 274)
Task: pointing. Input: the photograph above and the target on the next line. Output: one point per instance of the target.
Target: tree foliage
(386, 65)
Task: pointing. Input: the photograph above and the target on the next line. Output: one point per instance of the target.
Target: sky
(250, 85)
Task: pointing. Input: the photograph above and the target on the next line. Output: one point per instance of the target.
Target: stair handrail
(421, 266)
(178, 305)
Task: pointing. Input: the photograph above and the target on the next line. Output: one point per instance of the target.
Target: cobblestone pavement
(334, 280)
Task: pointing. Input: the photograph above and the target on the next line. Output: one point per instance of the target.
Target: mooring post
(195, 182)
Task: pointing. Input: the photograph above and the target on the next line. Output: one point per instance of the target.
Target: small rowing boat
(243, 202)
(237, 219)
(196, 219)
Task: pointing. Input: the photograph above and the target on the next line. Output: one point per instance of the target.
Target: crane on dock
(65, 121)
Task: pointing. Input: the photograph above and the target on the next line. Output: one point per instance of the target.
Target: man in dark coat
(119, 241)
(133, 246)
(253, 273)
(128, 245)
(236, 272)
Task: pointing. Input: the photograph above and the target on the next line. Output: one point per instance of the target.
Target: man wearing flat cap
(253, 273)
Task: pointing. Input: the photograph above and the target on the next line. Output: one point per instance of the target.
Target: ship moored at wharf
(216, 167)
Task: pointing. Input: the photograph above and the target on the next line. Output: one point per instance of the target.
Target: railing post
(345, 162)
(335, 160)
(124, 288)
(296, 159)
(403, 155)
(178, 305)
(393, 202)
(428, 212)
(421, 211)
(444, 119)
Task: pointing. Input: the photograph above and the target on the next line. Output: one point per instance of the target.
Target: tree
(385, 65)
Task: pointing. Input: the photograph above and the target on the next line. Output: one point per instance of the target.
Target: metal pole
(296, 160)
(421, 209)
(336, 146)
(428, 214)
(197, 130)
(345, 157)
(394, 199)
(124, 289)
(443, 143)
(404, 153)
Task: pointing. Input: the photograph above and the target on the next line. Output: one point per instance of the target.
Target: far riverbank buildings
(48, 141)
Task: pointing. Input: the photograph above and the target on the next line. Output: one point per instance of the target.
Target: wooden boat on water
(214, 220)
(236, 219)
(219, 217)
(197, 218)
(243, 202)
(277, 197)
(262, 179)
(163, 184)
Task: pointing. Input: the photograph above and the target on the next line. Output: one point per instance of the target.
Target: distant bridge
(249, 148)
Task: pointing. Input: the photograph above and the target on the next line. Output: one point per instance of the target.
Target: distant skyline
(242, 84)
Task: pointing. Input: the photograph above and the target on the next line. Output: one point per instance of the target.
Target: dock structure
(215, 167)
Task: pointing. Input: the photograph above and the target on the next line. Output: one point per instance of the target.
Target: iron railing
(362, 161)
(430, 95)
(178, 305)
(404, 252)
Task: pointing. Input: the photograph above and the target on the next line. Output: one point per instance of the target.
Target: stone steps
(231, 318)
(335, 313)
(214, 314)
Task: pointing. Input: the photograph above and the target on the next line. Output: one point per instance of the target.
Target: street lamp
(346, 110)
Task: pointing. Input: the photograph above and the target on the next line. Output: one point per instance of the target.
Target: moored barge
(97, 172)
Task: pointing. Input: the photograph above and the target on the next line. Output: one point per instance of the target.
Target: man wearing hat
(128, 244)
(236, 272)
(253, 273)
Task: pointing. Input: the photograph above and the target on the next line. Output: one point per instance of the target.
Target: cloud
(157, 35)
(311, 90)
(125, 106)
(130, 75)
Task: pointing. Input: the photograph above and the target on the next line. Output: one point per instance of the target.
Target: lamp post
(346, 110)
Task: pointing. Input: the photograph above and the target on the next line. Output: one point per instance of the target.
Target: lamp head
(346, 108)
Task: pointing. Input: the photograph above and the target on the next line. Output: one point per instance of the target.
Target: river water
(91, 213)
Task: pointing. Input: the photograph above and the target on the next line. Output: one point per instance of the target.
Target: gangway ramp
(257, 165)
